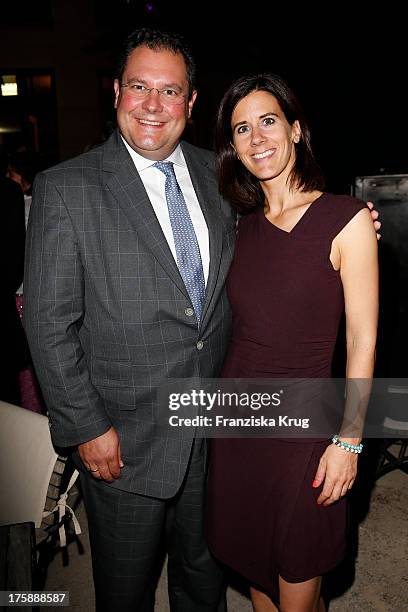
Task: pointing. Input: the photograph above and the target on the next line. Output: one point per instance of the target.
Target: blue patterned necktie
(185, 240)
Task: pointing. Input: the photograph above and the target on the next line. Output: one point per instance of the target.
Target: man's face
(151, 125)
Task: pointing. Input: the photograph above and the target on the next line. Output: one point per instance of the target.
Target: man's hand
(101, 456)
(374, 216)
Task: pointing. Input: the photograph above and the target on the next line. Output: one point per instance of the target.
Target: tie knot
(165, 167)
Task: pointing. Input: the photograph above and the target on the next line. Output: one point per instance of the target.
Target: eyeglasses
(168, 95)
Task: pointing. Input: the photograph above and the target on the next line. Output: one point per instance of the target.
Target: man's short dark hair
(158, 40)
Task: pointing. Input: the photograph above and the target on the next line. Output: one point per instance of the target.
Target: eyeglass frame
(147, 91)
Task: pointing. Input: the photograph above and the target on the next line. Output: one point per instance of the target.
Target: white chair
(29, 470)
(27, 461)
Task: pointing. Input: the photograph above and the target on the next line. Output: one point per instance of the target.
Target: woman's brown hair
(236, 183)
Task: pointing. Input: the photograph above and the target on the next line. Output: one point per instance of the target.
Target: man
(124, 289)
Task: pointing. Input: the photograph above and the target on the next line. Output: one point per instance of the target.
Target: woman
(276, 508)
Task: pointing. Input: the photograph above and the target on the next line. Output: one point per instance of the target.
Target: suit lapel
(127, 188)
(206, 188)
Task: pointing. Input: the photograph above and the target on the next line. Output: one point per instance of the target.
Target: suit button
(199, 345)
(189, 312)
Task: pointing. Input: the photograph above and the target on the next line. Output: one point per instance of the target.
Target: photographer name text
(251, 421)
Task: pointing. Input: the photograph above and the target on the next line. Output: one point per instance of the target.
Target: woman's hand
(338, 469)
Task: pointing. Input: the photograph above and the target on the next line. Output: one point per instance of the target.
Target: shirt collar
(142, 163)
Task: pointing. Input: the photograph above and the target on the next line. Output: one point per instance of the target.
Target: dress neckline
(305, 214)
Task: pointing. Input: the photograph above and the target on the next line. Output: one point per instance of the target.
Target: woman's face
(262, 137)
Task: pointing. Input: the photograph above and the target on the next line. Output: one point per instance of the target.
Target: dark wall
(349, 72)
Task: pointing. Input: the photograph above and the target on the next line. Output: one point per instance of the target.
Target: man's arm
(53, 314)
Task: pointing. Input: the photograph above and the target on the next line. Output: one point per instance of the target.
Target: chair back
(27, 461)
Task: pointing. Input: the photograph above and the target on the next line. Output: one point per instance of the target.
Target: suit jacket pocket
(112, 373)
(124, 385)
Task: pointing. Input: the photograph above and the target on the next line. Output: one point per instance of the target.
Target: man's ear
(190, 103)
(116, 88)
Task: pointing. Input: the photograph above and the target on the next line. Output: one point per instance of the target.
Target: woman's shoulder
(344, 203)
(247, 220)
(335, 212)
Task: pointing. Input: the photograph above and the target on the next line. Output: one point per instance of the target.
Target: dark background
(349, 71)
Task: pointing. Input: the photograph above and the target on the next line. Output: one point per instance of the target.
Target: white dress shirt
(154, 180)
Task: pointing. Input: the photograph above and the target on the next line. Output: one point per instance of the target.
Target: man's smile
(150, 123)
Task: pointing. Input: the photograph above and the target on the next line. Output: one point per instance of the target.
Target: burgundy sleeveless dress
(262, 517)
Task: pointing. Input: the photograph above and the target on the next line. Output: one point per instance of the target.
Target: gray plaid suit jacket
(106, 310)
